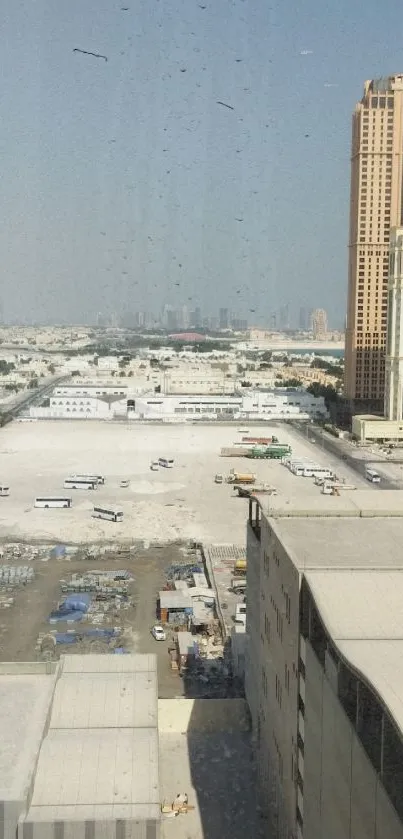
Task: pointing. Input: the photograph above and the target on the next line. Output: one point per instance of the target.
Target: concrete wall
(252, 664)
(343, 797)
(271, 678)
(278, 689)
(180, 715)
(238, 651)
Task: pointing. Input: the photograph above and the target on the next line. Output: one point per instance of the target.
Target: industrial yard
(164, 505)
(131, 575)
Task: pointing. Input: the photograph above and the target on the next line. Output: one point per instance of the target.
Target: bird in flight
(224, 104)
(87, 52)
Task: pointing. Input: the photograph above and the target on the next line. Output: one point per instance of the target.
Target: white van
(4, 490)
(166, 462)
(240, 613)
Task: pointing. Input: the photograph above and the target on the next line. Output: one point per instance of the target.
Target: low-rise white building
(82, 407)
(110, 401)
(283, 403)
(91, 389)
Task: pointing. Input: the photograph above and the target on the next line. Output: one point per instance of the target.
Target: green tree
(293, 382)
(6, 367)
(328, 392)
(51, 369)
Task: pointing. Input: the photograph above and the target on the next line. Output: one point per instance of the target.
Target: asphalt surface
(24, 400)
(342, 450)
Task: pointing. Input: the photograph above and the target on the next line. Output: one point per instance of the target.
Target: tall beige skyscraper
(319, 324)
(375, 207)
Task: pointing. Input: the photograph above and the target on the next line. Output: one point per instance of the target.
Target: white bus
(317, 471)
(296, 467)
(4, 490)
(96, 479)
(53, 502)
(81, 483)
(167, 462)
(108, 513)
(372, 476)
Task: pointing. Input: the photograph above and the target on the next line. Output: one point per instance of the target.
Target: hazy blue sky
(139, 151)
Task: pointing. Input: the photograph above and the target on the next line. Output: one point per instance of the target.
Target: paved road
(342, 450)
(24, 400)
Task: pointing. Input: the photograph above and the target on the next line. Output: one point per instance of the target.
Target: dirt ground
(21, 624)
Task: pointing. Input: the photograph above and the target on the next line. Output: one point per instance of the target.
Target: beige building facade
(375, 207)
(324, 672)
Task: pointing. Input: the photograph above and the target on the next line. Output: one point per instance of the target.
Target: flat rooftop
(24, 701)
(360, 503)
(105, 700)
(351, 555)
(79, 771)
(99, 759)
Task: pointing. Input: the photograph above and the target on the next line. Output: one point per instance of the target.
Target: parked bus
(53, 502)
(4, 490)
(81, 483)
(167, 462)
(372, 476)
(317, 471)
(97, 479)
(108, 513)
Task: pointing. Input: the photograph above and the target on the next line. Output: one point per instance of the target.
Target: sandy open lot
(171, 504)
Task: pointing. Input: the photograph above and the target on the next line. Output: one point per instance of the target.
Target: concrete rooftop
(358, 503)
(362, 611)
(24, 703)
(342, 542)
(99, 759)
(351, 555)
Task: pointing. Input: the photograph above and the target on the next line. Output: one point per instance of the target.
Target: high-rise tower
(394, 341)
(375, 207)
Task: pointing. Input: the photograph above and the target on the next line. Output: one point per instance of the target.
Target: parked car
(158, 632)
(154, 466)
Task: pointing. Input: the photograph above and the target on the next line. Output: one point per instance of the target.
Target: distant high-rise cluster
(375, 207)
(319, 326)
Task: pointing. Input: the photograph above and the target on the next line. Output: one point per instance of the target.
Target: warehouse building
(108, 403)
(80, 748)
(324, 663)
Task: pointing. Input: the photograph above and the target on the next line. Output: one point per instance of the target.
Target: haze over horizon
(126, 185)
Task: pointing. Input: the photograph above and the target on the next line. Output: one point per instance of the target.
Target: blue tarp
(58, 550)
(74, 636)
(77, 601)
(65, 615)
(66, 638)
